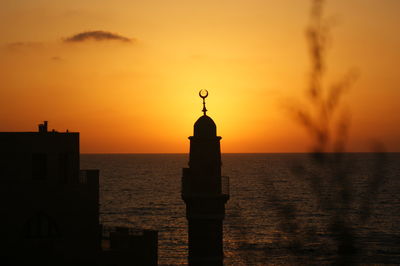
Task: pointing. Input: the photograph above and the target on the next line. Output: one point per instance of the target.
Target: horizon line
(166, 153)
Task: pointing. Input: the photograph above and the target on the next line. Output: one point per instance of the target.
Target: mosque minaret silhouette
(205, 193)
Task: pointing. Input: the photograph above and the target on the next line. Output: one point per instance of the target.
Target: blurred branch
(329, 177)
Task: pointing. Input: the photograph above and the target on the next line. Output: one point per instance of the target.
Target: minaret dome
(205, 128)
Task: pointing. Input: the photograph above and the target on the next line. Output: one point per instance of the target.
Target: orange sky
(140, 96)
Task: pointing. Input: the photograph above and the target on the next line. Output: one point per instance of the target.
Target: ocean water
(283, 208)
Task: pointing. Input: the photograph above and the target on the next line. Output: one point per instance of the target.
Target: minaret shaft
(204, 195)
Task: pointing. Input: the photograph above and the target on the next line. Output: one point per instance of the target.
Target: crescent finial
(204, 94)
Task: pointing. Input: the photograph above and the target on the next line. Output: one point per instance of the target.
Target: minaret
(205, 193)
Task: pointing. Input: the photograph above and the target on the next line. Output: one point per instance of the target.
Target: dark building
(205, 193)
(50, 208)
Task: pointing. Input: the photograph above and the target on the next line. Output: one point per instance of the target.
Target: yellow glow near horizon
(142, 96)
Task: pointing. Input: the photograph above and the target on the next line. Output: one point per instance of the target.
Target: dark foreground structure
(50, 208)
(205, 193)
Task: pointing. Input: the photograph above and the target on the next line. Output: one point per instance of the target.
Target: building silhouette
(50, 208)
(205, 193)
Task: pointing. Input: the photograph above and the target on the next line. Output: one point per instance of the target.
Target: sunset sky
(131, 84)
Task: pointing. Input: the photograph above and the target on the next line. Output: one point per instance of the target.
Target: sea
(284, 209)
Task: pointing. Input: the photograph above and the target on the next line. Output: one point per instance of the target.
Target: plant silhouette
(328, 174)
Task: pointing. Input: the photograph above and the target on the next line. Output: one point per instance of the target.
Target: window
(8, 165)
(41, 225)
(39, 166)
(63, 167)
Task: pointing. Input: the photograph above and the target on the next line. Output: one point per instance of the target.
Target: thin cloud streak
(23, 45)
(96, 36)
(57, 59)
